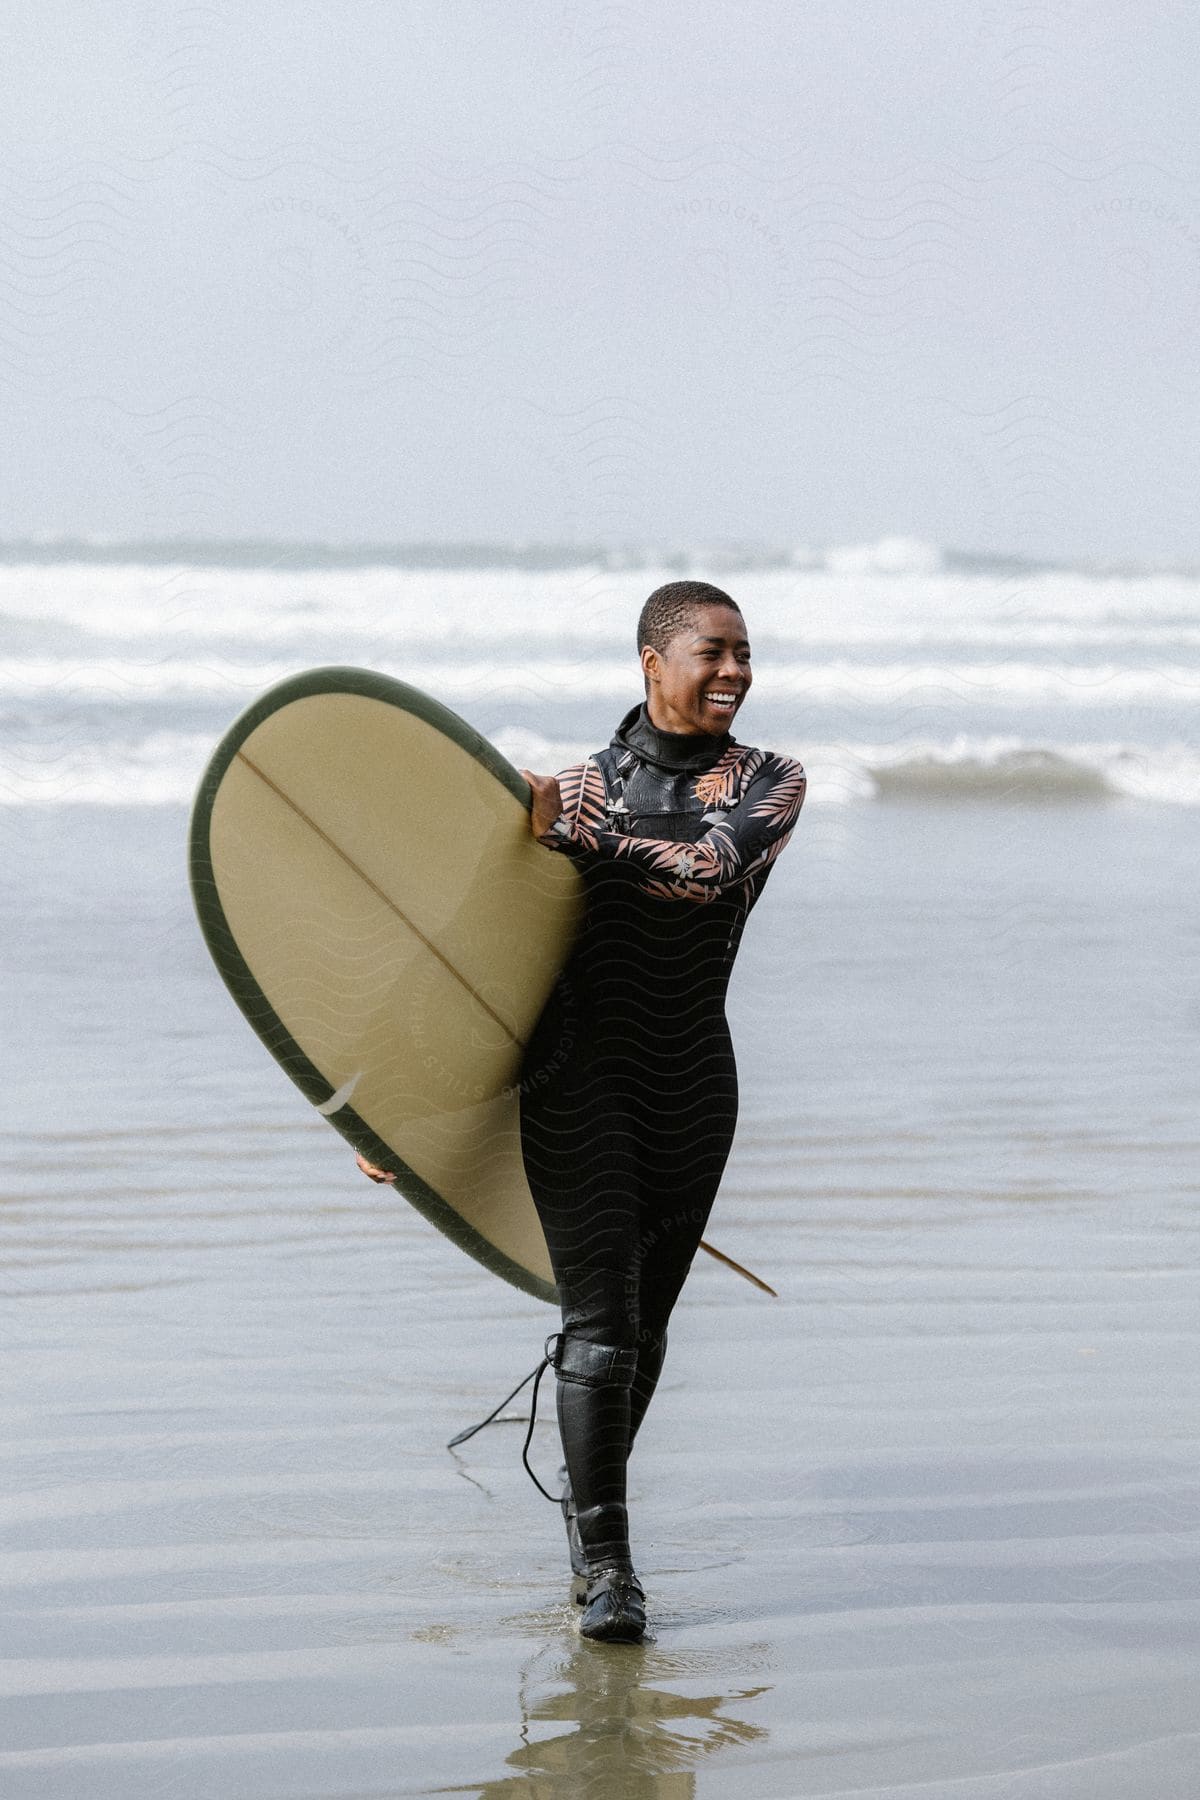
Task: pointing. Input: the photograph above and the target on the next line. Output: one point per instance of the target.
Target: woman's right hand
(371, 1171)
(547, 801)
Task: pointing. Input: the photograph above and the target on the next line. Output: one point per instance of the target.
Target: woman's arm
(747, 839)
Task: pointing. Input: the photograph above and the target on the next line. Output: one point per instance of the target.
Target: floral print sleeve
(744, 842)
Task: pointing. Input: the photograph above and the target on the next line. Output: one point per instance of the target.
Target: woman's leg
(650, 1356)
(581, 1163)
(624, 1151)
(683, 1149)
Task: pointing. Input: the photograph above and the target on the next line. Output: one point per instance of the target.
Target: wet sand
(928, 1523)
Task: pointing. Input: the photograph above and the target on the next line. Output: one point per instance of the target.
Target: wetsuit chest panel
(646, 801)
(637, 951)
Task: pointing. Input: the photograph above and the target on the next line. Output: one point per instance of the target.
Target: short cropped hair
(671, 609)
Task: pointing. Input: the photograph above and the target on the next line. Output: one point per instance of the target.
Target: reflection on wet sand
(626, 1735)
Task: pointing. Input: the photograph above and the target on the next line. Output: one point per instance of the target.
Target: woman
(628, 1094)
(674, 828)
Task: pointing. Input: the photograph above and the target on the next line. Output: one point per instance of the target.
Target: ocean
(927, 1522)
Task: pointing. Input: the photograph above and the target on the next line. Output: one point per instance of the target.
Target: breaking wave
(164, 768)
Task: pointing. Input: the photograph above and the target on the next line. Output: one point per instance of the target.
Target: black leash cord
(534, 1375)
(472, 1429)
(555, 1499)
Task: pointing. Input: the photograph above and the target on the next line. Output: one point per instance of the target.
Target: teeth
(723, 697)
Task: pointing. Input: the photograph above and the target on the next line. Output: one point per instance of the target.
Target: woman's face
(700, 680)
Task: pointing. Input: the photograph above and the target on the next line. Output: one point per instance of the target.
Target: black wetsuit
(629, 1085)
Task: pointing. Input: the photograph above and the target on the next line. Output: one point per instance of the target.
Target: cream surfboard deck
(367, 883)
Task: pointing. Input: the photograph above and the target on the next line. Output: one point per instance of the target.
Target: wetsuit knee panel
(592, 1365)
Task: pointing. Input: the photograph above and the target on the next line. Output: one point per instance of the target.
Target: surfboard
(366, 881)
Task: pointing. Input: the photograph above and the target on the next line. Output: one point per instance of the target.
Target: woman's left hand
(547, 801)
(368, 1168)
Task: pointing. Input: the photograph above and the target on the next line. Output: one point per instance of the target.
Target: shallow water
(927, 1523)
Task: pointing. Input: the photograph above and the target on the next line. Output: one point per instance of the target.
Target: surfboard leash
(535, 1375)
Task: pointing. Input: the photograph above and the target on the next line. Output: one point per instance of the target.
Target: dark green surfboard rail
(249, 997)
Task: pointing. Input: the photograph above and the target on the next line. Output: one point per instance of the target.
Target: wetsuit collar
(668, 749)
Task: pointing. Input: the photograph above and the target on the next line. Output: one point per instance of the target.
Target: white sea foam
(164, 768)
(885, 670)
(1015, 683)
(804, 606)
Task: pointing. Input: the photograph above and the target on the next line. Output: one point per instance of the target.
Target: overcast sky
(558, 271)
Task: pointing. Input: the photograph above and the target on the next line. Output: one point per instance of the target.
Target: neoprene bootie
(593, 1416)
(614, 1609)
(645, 1379)
(575, 1549)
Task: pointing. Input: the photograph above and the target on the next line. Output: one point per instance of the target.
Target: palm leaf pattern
(718, 785)
(741, 847)
(782, 802)
(583, 796)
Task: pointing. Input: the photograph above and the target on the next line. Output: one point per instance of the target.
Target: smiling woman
(674, 827)
(698, 669)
